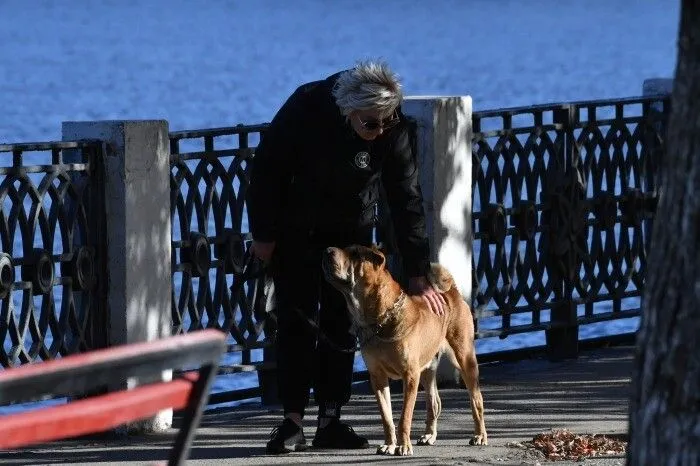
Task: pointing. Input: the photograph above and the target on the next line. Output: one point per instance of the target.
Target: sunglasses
(372, 124)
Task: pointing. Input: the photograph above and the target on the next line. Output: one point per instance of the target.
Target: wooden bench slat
(95, 414)
(80, 373)
(113, 367)
(112, 355)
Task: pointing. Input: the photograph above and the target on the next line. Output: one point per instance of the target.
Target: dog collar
(372, 331)
(391, 313)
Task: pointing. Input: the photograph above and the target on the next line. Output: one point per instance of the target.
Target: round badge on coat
(362, 159)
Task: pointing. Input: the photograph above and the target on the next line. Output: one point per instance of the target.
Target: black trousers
(304, 360)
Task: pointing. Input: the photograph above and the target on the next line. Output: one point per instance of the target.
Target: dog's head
(356, 271)
(352, 267)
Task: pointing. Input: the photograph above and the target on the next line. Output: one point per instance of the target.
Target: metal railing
(209, 179)
(563, 199)
(50, 224)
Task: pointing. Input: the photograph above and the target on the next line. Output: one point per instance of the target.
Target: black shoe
(286, 437)
(338, 435)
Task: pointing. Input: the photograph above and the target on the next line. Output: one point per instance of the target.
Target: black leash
(321, 336)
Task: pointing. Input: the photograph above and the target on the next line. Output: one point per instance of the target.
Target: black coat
(312, 173)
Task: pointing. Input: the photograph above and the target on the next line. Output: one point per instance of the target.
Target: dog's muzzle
(330, 269)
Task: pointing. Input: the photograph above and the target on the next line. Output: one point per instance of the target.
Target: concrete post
(651, 87)
(445, 157)
(657, 86)
(137, 208)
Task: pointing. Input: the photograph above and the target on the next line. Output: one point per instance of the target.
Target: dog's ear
(375, 256)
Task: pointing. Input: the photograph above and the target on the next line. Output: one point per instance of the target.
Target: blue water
(224, 62)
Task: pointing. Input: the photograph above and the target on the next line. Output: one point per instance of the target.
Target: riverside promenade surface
(522, 399)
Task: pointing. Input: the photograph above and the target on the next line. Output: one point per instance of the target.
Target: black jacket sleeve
(271, 170)
(405, 198)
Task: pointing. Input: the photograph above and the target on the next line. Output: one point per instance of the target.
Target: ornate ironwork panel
(616, 146)
(209, 179)
(51, 219)
(562, 201)
(517, 159)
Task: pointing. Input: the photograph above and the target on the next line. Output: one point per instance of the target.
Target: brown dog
(401, 338)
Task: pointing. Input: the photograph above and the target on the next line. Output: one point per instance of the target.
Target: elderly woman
(315, 183)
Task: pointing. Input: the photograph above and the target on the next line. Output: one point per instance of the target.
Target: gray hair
(368, 86)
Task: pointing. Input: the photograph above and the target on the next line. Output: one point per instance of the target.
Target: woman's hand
(420, 286)
(262, 250)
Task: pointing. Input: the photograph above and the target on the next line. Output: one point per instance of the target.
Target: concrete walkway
(522, 399)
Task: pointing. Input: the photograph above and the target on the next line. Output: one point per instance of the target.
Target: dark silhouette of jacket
(312, 174)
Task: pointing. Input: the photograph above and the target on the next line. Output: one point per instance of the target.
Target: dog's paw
(479, 440)
(386, 449)
(404, 450)
(427, 439)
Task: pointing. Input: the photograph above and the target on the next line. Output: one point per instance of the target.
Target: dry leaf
(565, 445)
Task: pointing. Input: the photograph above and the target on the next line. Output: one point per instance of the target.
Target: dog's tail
(440, 278)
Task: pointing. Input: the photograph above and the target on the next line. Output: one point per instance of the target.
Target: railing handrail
(214, 132)
(565, 105)
(49, 145)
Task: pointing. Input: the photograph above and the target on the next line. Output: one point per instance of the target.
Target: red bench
(80, 373)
